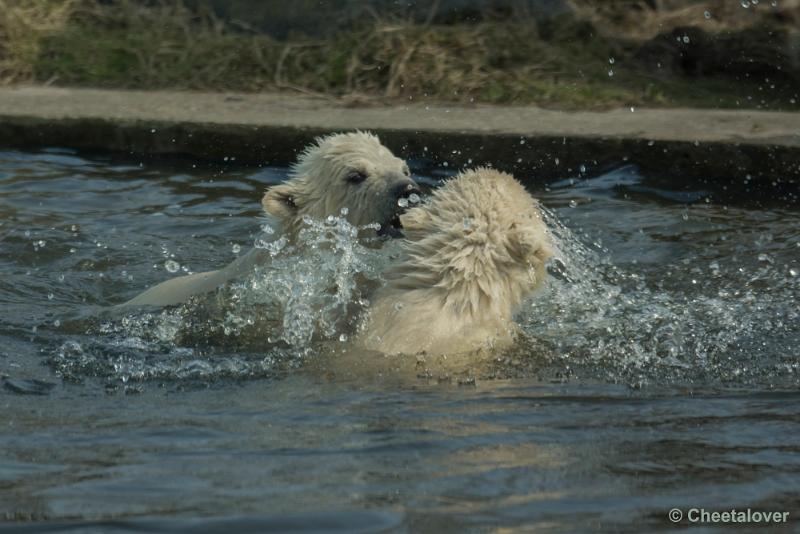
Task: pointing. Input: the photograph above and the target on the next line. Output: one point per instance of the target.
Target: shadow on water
(670, 378)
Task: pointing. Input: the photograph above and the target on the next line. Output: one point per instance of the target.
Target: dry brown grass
(167, 45)
(23, 24)
(636, 19)
(164, 44)
(393, 60)
(405, 60)
(480, 62)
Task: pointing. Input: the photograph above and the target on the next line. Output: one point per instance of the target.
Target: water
(661, 370)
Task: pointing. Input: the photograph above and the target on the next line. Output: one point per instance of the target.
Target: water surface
(670, 377)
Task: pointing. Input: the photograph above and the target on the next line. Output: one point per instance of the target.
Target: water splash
(315, 286)
(711, 324)
(309, 291)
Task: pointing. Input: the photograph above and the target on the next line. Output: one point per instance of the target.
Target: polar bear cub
(471, 255)
(353, 172)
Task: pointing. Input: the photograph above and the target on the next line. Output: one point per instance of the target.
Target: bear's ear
(280, 201)
(529, 245)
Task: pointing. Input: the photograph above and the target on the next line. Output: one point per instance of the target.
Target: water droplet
(745, 3)
(236, 248)
(413, 198)
(56, 323)
(707, 14)
(172, 266)
(60, 277)
(633, 109)
(402, 202)
(343, 338)
(610, 72)
(573, 203)
(344, 211)
(793, 272)
(686, 39)
(50, 296)
(611, 60)
(467, 223)
(582, 169)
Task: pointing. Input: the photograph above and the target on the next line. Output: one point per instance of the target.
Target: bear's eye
(355, 177)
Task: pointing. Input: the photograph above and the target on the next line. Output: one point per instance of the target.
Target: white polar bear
(471, 254)
(347, 171)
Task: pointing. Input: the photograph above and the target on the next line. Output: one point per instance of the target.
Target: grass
(563, 63)
(23, 24)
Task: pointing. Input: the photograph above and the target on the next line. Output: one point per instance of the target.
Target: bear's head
(482, 241)
(472, 253)
(346, 171)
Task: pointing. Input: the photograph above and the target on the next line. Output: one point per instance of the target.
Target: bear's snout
(404, 189)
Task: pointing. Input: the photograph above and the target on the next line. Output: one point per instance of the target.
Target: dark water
(672, 379)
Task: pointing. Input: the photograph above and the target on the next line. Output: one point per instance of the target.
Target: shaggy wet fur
(323, 183)
(471, 255)
(353, 172)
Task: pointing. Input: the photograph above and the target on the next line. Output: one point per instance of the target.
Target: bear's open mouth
(392, 228)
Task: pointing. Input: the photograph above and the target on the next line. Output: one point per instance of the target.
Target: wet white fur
(316, 188)
(317, 185)
(471, 255)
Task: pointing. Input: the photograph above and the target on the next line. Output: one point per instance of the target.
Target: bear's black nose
(405, 190)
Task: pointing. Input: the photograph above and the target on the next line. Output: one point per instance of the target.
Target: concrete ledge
(679, 147)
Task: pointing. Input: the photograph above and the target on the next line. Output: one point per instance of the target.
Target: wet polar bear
(351, 171)
(471, 255)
